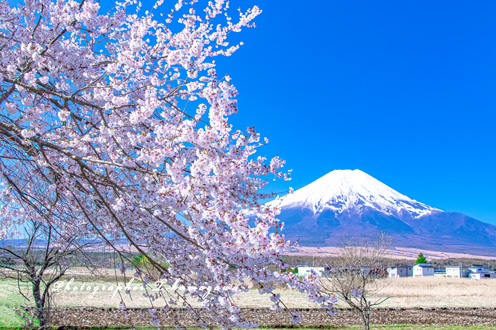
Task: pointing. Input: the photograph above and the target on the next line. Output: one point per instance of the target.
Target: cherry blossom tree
(359, 274)
(122, 118)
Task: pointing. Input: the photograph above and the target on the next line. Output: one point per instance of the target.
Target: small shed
(439, 273)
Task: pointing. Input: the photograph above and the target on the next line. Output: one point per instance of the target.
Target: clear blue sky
(403, 90)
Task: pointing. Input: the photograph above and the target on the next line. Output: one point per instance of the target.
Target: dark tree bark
(359, 273)
(41, 263)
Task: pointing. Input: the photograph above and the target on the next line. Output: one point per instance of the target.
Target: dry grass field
(402, 292)
(440, 292)
(107, 295)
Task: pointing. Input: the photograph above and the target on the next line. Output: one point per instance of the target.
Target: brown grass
(393, 253)
(402, 292)
(439, 292)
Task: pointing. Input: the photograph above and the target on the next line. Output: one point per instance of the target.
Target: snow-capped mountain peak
(343, 190)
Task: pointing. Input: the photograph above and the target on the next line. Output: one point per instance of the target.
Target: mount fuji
(351, 203)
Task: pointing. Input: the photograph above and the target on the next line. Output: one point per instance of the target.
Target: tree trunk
(366, 319)
(40, 308)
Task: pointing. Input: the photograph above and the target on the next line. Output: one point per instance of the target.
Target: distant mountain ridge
(353, 203)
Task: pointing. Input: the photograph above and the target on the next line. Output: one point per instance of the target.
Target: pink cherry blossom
(114, 125)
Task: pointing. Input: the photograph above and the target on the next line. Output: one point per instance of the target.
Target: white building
(307, 271)
(456, 271)
(400, 270)
(423, 270)
(477, 272)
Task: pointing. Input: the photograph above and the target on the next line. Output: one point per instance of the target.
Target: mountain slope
(341, 190)
(352, 203)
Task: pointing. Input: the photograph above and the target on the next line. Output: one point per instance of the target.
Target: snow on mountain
(342, 190)
(346, 203)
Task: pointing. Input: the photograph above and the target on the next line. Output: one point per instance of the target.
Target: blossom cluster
(115, 125)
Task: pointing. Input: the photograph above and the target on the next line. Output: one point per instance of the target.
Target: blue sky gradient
(404, 91)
